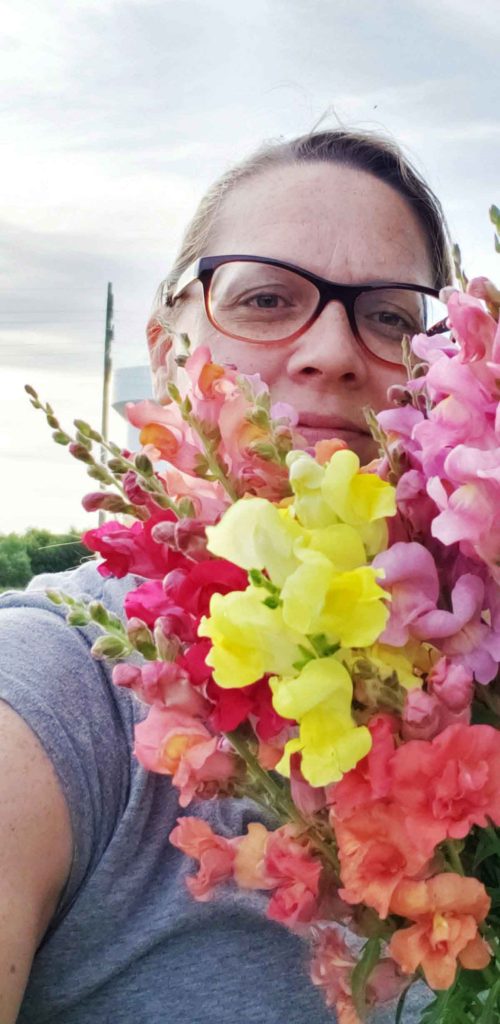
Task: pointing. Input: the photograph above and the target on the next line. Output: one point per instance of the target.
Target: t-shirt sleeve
(85, 725)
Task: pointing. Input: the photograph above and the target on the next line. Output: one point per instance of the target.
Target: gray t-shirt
(128, 943)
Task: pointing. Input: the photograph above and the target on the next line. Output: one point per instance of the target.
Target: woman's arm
(35, 854)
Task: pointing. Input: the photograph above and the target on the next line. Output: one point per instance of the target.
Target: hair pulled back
(366, 151)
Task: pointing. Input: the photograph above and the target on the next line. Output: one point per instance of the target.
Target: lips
(316, 426)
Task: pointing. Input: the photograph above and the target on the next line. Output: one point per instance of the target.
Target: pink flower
(250, 472)
(411, 578)
(208, 497)
(215, 854)
(292, 904)
(174, 743)
(308, 799)
(414, 501)
(192, 586)
(453, 685)
(331, 968)
(280, 861)
(188, 536)
(295, 873)
(147, 602)
(193, 660)
(458, 782)
(473, 327)
(424, 716)
(164, 434)
(131, 549)
(164, 683)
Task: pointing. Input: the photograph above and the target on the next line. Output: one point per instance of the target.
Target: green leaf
(400, 1007)
(488, 846)
(495, 216)
(361, 973)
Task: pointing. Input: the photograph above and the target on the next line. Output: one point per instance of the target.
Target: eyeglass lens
(263, 303)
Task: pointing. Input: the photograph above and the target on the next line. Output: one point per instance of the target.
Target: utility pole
(106, 380)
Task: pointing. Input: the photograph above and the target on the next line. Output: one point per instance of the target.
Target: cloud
(119, 113)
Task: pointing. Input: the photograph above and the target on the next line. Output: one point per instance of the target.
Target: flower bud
(81, 439)
(83, 427)
(143, 464)
(133, 490)
(399, 395)
(78, 451)
(117, 465)
(141, 638)
(60, 437)
(100, 473)
(98, 613)
(103, 500)
(78, 617)
(168, 647)
(109, 647)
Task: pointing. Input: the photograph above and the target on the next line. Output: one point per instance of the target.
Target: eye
(389, 318)
(266, 300)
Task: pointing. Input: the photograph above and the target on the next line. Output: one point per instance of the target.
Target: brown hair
(362, 150)
(367, 151)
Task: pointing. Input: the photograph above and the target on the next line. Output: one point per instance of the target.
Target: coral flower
(331, 969)
(447, 910)
(376, 852)
(458, 775)
(215, 854)
(172, 742)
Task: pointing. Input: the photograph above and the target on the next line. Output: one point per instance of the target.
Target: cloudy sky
(118, 114)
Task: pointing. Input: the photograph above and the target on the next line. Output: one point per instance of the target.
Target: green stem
(453, 856)
(213, 465)
(152, 481)
(278, 800)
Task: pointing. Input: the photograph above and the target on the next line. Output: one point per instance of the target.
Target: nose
(329, 351)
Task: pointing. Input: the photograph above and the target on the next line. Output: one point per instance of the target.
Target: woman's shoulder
(83, 722)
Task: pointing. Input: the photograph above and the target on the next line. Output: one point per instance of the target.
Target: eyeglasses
(267, 301)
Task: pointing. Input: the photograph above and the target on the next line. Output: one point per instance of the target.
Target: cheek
(247, 358)
(381, 379)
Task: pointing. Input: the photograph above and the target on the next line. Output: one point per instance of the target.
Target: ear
(161, 353)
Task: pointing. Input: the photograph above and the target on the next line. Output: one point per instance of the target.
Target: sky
(117, 115)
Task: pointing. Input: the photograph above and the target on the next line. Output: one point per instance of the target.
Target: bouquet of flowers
(324, 638)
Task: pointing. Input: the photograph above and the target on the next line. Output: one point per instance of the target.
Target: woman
(96, 923)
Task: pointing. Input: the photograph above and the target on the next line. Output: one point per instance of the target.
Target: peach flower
(447, 910)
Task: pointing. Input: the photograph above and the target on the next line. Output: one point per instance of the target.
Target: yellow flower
(356, 498)
(341, 544)
(254, 534)
(399, 660)
(249, 639)
(320, 700)
(306, 481)
(347, 606)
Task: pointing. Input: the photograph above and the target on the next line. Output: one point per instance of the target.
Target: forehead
(339, 222)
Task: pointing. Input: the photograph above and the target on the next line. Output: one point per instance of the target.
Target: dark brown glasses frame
(329, 291)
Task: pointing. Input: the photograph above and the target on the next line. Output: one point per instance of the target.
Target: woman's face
(346, 226)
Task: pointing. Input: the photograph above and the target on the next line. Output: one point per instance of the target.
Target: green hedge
(25, 555)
